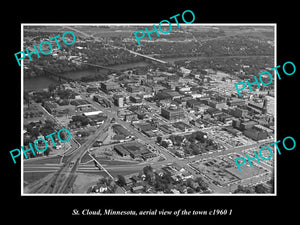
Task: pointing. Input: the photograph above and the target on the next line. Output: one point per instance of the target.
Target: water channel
(39, 83)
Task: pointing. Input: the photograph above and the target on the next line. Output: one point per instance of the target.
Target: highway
(63, 178)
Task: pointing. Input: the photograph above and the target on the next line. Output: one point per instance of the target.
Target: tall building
(118, 100)
(265, 106)
(172, 113)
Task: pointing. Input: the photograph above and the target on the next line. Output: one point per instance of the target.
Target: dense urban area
(162, 117)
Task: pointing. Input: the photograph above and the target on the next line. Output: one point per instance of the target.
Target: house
(186, 175)
(159, 172)
(137, 189)
(135, 179)
(128, 181)
(175, 191)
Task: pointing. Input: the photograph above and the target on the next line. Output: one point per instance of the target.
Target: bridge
(146, 56)
(139, 54)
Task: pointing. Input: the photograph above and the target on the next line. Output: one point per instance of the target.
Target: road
(65, 174)
(62, 179)
(170, 158)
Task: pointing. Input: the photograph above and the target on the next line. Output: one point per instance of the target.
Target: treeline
(248, 65)
(237, 45)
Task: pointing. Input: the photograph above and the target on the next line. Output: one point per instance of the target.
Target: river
(39, 83)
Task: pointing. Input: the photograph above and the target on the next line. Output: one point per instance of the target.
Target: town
(160, 118)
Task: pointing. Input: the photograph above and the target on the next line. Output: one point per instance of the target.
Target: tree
(203, 185)
(47, 151)
(83, 120)
(64, 135)
(241, 189)
(48, 128)
(147, 169)
(260, 188)
(158, 139)
(51, 87)
(195, 149)
(190, 190)
(164, 144)
(189, 182)
(31, 155)
(121, 180)
(35, 132)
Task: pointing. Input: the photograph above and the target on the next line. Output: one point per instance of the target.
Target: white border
(150, 24)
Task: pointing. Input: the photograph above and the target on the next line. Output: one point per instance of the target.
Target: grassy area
(49, 160)
(114, 162)
(32, 177)
(123, 172)
(85, 158)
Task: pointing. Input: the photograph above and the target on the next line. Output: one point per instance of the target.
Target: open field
(31, 177)
(50, 160)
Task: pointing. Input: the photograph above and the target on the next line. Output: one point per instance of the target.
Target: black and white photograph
(162, 117)
(149, 113)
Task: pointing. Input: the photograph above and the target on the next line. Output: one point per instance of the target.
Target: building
(216, 105)
(233, 131)
(184, 71)
(236, 102)
(165, 128)
(168, 94)
(135, 150)
(92, 113)
(260, 108)
(226, 119)
(133, 88)
(263, 128)
(183, 89)
(255, 134)
(265, 106)
(96, 119)
(192, 103)
(102, 101)
(118, 100)
(172, 113)
(214, 112)
(106, 87)
(182, 126)
(247, 125)
(131, 117)
(236, 123)
(120, 130)
(121, 150)
(238, 112)
(137, 189)
(136, 99)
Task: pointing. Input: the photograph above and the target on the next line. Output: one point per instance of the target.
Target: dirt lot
(84, 181)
